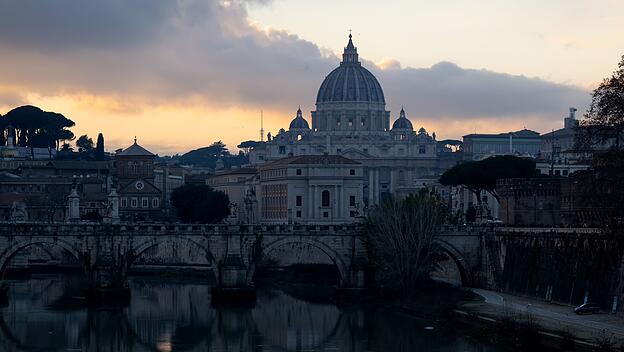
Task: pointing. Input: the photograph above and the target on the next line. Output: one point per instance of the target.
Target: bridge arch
(457, 258)
(142, 247)
(12, 250)
(335, 257)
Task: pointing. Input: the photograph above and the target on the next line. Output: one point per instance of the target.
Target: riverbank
(520, 323)
(552, 319)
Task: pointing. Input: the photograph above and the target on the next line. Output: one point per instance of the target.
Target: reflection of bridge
(108, 251)
(162, 317)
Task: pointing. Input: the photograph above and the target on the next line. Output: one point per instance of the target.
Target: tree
(36, 128)
(99, 149)
(200, 204)
(401, 237)
(604, 121)
(84, 143)
(479, 176)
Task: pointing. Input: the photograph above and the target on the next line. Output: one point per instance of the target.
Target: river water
(46, 313)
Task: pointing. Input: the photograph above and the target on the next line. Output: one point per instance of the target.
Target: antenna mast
(261, 126)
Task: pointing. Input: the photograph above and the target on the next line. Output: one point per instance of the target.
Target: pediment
(353, 153)
(131, 187)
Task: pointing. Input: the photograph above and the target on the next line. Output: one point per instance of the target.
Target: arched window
(325, 198)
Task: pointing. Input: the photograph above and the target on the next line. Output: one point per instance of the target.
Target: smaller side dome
(402, 123)
(299, 123)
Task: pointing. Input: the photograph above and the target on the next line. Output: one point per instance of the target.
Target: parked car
(587, 308)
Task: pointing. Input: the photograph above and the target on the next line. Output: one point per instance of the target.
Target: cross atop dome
(350, 54)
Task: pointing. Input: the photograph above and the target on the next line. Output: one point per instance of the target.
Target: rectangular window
(282, 150)
(565, 172)
(325, 214)
(144, 202)
(352, 172)
(134, 202)
(154, 202)
(350, 122)
(298, 172)
(124, 202)
(298, 213)
(352, 201)
(299, 201)
(422, 149)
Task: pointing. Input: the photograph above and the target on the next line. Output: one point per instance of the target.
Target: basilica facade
(351, 121)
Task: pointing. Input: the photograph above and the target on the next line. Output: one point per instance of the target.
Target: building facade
(522, 143)
(351, 120)
(313, 189)
(139, 198)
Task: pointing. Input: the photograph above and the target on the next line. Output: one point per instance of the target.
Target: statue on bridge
(19, 212)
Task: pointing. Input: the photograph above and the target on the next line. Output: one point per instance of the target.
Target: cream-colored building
(351, 120)
(313, 189)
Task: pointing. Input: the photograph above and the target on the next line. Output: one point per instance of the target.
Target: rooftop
(314, 160)
(135, 150)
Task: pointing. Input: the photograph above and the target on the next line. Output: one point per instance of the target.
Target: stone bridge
(107, 251)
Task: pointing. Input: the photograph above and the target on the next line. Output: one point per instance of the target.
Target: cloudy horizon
(182, 74)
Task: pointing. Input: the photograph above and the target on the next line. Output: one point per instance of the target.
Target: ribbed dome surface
(350, 82)
(299, 123)
(402, 123)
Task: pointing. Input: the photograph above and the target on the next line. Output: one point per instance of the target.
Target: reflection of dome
(299, 123)
(402, 123)
(350, 82)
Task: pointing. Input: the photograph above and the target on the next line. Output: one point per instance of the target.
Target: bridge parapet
(156, 229)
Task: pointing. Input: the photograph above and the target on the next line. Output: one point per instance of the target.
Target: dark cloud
(447, 90)
(63, 24)
(161, 50)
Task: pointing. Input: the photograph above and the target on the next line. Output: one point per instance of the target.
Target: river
(46, 313)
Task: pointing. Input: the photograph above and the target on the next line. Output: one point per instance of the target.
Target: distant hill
(208, 156)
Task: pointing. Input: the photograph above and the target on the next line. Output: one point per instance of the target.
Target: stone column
(371, 187)
(113, 207)
(309, 203)
(317, 202)
(341, 202)
(73, 211)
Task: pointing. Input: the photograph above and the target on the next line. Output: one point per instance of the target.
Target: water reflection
(47, 314)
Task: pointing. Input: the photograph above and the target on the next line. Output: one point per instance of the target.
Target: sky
(182, 74)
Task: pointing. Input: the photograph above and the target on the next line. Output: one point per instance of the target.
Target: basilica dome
(350, 82)
(299, 123)
(402, 123)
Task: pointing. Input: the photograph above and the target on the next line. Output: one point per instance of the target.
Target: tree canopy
(84, 143)
(478, 176)
(36, 128)
(99, 148)
(604, 121)
(200, 204)
(401, 237)
(208, 156)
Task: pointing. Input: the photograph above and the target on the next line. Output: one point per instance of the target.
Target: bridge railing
(34, 228)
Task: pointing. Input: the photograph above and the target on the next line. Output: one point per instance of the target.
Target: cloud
(150, 52)
(446, 90)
